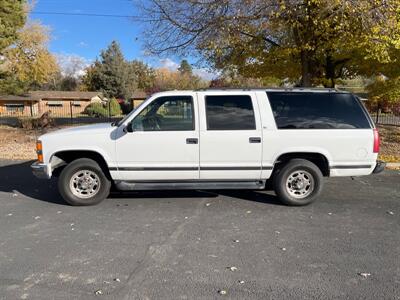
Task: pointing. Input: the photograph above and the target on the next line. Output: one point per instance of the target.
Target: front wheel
(83, 182)
(299, 182)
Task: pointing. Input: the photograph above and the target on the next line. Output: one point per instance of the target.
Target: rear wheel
(298, 182)
(83, 182)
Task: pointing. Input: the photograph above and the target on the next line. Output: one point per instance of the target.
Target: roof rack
(270, 89)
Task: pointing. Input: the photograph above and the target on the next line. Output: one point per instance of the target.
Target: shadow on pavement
(17, 177)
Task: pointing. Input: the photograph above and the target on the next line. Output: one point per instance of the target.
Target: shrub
(29, 123)
(96, 110)
(115, 108)
(110, 109)
(396, 109)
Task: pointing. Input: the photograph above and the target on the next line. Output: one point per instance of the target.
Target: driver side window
(172, 113)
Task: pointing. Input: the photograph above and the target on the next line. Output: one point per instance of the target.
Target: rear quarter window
(317, 111)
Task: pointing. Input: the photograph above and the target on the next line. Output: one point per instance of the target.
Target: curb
(392, 165)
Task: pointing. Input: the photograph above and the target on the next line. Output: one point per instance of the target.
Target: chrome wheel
(84, 184)
(300, 184)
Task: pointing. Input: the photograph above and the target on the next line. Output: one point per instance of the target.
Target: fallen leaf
(117, 280)
(233, 269)
(37, 218)
(390, 213)
(241, 281)
(98, 292)
(222, 292)
(365, 275)
(208, 204)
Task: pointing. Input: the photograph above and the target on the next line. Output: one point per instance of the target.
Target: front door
(230, 136)
(162, 142)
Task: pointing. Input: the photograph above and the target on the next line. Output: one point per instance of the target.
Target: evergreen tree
(116, 77)
(185, 68)
(12, 18)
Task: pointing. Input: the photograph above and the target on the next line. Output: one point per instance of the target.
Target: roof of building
(27, 97)
(38, 95)
(64, 95)
(139, 95)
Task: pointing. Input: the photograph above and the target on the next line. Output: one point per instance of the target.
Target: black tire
(282, 187)
(72, 168)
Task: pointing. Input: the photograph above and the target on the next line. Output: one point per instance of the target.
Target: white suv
(217, 139)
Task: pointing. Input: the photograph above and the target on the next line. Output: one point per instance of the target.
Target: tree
(12, 18)
(185, 67)
(70, 74)
(145, 75)
(310, 42)
(110, 74)
(115, 76)
(28, 62)
(231, 80)
(166, 79)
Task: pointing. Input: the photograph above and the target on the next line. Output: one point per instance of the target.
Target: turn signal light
(39, 151)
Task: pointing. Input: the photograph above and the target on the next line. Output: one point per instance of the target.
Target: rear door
(230, 136)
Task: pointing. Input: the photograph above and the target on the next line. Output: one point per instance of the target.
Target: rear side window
(230, 113)
(317, 111)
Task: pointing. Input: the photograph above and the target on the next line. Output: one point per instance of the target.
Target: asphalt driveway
(198, 245)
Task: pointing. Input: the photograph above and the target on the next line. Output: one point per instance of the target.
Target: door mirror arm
(128, 128)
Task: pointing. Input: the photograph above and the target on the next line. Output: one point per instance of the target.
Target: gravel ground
(196, 244)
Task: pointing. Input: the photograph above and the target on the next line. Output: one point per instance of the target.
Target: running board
(190, 185)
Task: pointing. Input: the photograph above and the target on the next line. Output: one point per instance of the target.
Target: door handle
(192, 141)
(255, 140)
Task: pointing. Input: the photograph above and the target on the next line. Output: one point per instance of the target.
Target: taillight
(39, 151)
(376, 141)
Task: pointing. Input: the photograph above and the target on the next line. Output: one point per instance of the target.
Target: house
(60, 103)
(137, 98)
(23, 105)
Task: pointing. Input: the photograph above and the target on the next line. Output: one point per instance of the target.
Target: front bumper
(380, 166)
(41, 170)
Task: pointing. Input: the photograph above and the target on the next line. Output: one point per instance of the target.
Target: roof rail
(269, 88)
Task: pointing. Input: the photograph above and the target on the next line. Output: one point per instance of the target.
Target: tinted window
(166, 114)
(317, 111)
(230, 113)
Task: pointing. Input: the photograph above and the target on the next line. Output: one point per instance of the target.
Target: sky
(86, 36)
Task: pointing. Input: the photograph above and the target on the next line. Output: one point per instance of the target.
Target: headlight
(39, 151)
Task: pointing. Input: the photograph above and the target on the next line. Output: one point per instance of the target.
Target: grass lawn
(16, 143)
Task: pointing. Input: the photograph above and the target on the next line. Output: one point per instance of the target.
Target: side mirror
(128, 128)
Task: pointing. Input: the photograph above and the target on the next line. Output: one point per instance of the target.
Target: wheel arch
(63, 157)
(319, 159)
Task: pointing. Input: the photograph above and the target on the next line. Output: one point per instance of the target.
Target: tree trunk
(329, 72)
(306, 75)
